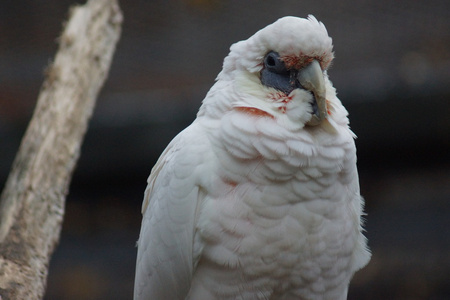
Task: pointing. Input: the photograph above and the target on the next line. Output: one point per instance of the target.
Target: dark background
(391, 72)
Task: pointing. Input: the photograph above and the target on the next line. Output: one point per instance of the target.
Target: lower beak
(311, 78)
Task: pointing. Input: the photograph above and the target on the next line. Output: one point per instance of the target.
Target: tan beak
(311, 78)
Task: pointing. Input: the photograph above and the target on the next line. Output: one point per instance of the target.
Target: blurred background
(391, 72)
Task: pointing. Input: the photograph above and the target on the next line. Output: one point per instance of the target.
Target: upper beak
(311, 78)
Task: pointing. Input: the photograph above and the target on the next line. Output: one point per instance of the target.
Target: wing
(165, 260)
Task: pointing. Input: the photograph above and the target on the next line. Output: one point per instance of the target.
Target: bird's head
(281, 72)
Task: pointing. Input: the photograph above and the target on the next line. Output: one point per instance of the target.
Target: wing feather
(165, 261)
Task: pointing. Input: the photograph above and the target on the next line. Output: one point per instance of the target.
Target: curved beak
(311, 78)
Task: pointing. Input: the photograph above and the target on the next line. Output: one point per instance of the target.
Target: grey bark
(33, 199)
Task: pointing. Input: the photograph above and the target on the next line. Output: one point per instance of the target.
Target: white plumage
(259, 197)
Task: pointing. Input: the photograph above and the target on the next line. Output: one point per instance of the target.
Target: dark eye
(275, 74)
(270, 61)
(273, 63)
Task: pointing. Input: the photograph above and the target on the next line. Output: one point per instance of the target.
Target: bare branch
(32, 202)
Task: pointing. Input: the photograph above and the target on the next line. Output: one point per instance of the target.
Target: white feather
(248, 202)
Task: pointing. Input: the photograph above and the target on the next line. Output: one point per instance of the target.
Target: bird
(259, 197)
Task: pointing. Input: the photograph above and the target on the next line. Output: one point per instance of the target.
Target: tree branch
(32, 202)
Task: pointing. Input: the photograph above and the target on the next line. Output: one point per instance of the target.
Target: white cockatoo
(259, 197)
